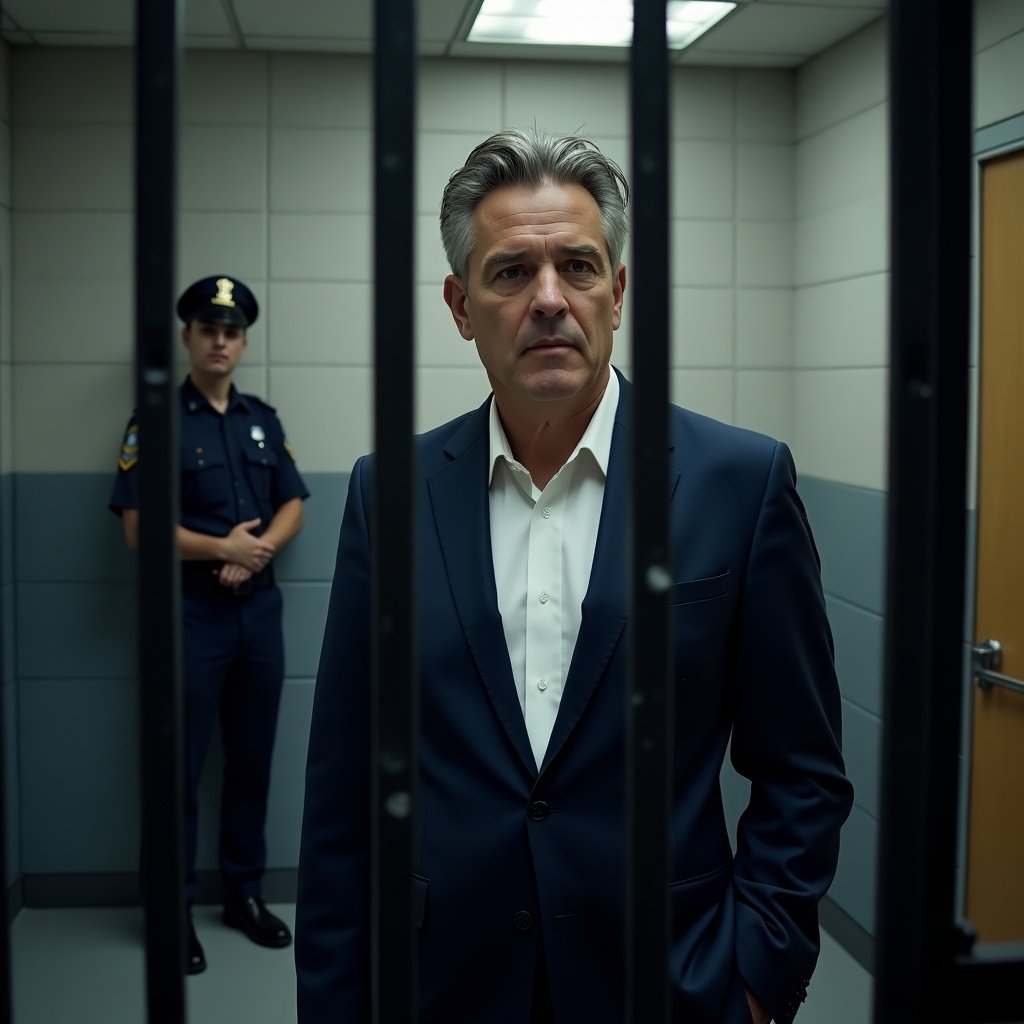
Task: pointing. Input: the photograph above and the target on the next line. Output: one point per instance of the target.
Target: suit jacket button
(523, 920)
(538, 810)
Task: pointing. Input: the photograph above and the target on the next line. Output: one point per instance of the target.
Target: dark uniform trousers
(234, 670)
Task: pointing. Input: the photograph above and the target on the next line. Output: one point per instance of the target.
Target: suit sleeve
(332, 908)
(786, 741)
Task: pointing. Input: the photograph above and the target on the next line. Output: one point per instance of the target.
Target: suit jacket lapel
(459, 499)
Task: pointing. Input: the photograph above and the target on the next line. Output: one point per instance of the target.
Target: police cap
(218, 299)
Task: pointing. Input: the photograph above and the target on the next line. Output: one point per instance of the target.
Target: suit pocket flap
(707, 589)
(692, 894)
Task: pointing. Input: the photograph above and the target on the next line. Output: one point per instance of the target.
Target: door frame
(989, 144)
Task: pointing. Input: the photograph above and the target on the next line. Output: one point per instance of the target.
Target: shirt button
(543, 597)
(542, 684)
(538, 810)
(523, 920)
(546, 513)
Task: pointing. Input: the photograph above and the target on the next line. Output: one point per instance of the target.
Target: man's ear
(618, 290)
(457, 298)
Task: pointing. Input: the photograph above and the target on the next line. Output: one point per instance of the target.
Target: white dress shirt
(542, 545)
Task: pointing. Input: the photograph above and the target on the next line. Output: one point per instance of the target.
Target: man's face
(540, 297)
(213, 348)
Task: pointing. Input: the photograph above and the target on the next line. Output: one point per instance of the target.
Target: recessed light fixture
(587, 22)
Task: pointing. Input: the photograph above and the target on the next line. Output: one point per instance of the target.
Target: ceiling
(759, 33)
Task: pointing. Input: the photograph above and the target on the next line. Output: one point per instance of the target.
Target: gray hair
(531, 158)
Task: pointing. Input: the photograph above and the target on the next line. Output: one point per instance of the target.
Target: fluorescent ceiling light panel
(587, 22)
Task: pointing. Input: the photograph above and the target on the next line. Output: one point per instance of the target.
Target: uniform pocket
(204, 485)
(260, 467)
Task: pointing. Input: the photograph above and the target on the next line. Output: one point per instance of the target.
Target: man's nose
(548, 293)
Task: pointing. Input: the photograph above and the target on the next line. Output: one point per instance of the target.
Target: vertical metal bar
(395, 691)
(930, 111)
(160, 701)
(649, 694)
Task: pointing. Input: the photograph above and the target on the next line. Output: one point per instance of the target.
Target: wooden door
(995, 860)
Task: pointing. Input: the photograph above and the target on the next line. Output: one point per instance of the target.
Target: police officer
(241, 503)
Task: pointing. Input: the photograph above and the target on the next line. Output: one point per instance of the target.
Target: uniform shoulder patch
(129, 447)
(291, 451)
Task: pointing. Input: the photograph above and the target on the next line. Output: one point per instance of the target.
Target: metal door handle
(987, 657)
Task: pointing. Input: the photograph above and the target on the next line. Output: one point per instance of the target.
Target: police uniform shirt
(235, 466)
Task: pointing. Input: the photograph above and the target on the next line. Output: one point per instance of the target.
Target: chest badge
(256, 433)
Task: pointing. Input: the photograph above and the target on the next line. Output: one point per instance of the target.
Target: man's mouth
(550, 344)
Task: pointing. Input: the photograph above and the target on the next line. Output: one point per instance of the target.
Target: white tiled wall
(841, 263)
(276, 185)
(999, 67)
(841, 272)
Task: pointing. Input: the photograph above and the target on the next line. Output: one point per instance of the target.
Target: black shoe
(195, 962)
(251, 916)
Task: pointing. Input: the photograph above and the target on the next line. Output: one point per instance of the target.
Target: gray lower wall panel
(75, 631)
(862, 748)
(79, 779)
(12, 784)
(849, 530)
(854, 887)
(8, 634)
(79, 775)
(304, 615)
(859, 637)
(311, 555)
(6, 529)
(65, 530)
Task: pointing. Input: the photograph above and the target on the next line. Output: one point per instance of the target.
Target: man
(521, 515)
(241, 503)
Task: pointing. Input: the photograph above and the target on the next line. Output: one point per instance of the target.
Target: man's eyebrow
(501, 259)
(590, 251)
(505, 257)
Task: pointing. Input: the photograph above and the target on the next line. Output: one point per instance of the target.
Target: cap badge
(256, 433)
(225, 286)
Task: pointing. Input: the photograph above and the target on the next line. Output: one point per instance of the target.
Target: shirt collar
(596, 439)
(192, 399)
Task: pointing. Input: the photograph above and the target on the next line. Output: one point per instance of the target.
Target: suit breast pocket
(709, 588)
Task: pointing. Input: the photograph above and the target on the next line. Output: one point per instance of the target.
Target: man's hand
(232, 575)
(757, 1011)
(244, 549)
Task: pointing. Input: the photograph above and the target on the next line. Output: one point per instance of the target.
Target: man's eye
(510, 273)
(579, 266)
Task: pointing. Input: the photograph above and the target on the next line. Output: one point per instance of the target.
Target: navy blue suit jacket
(753, 661)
